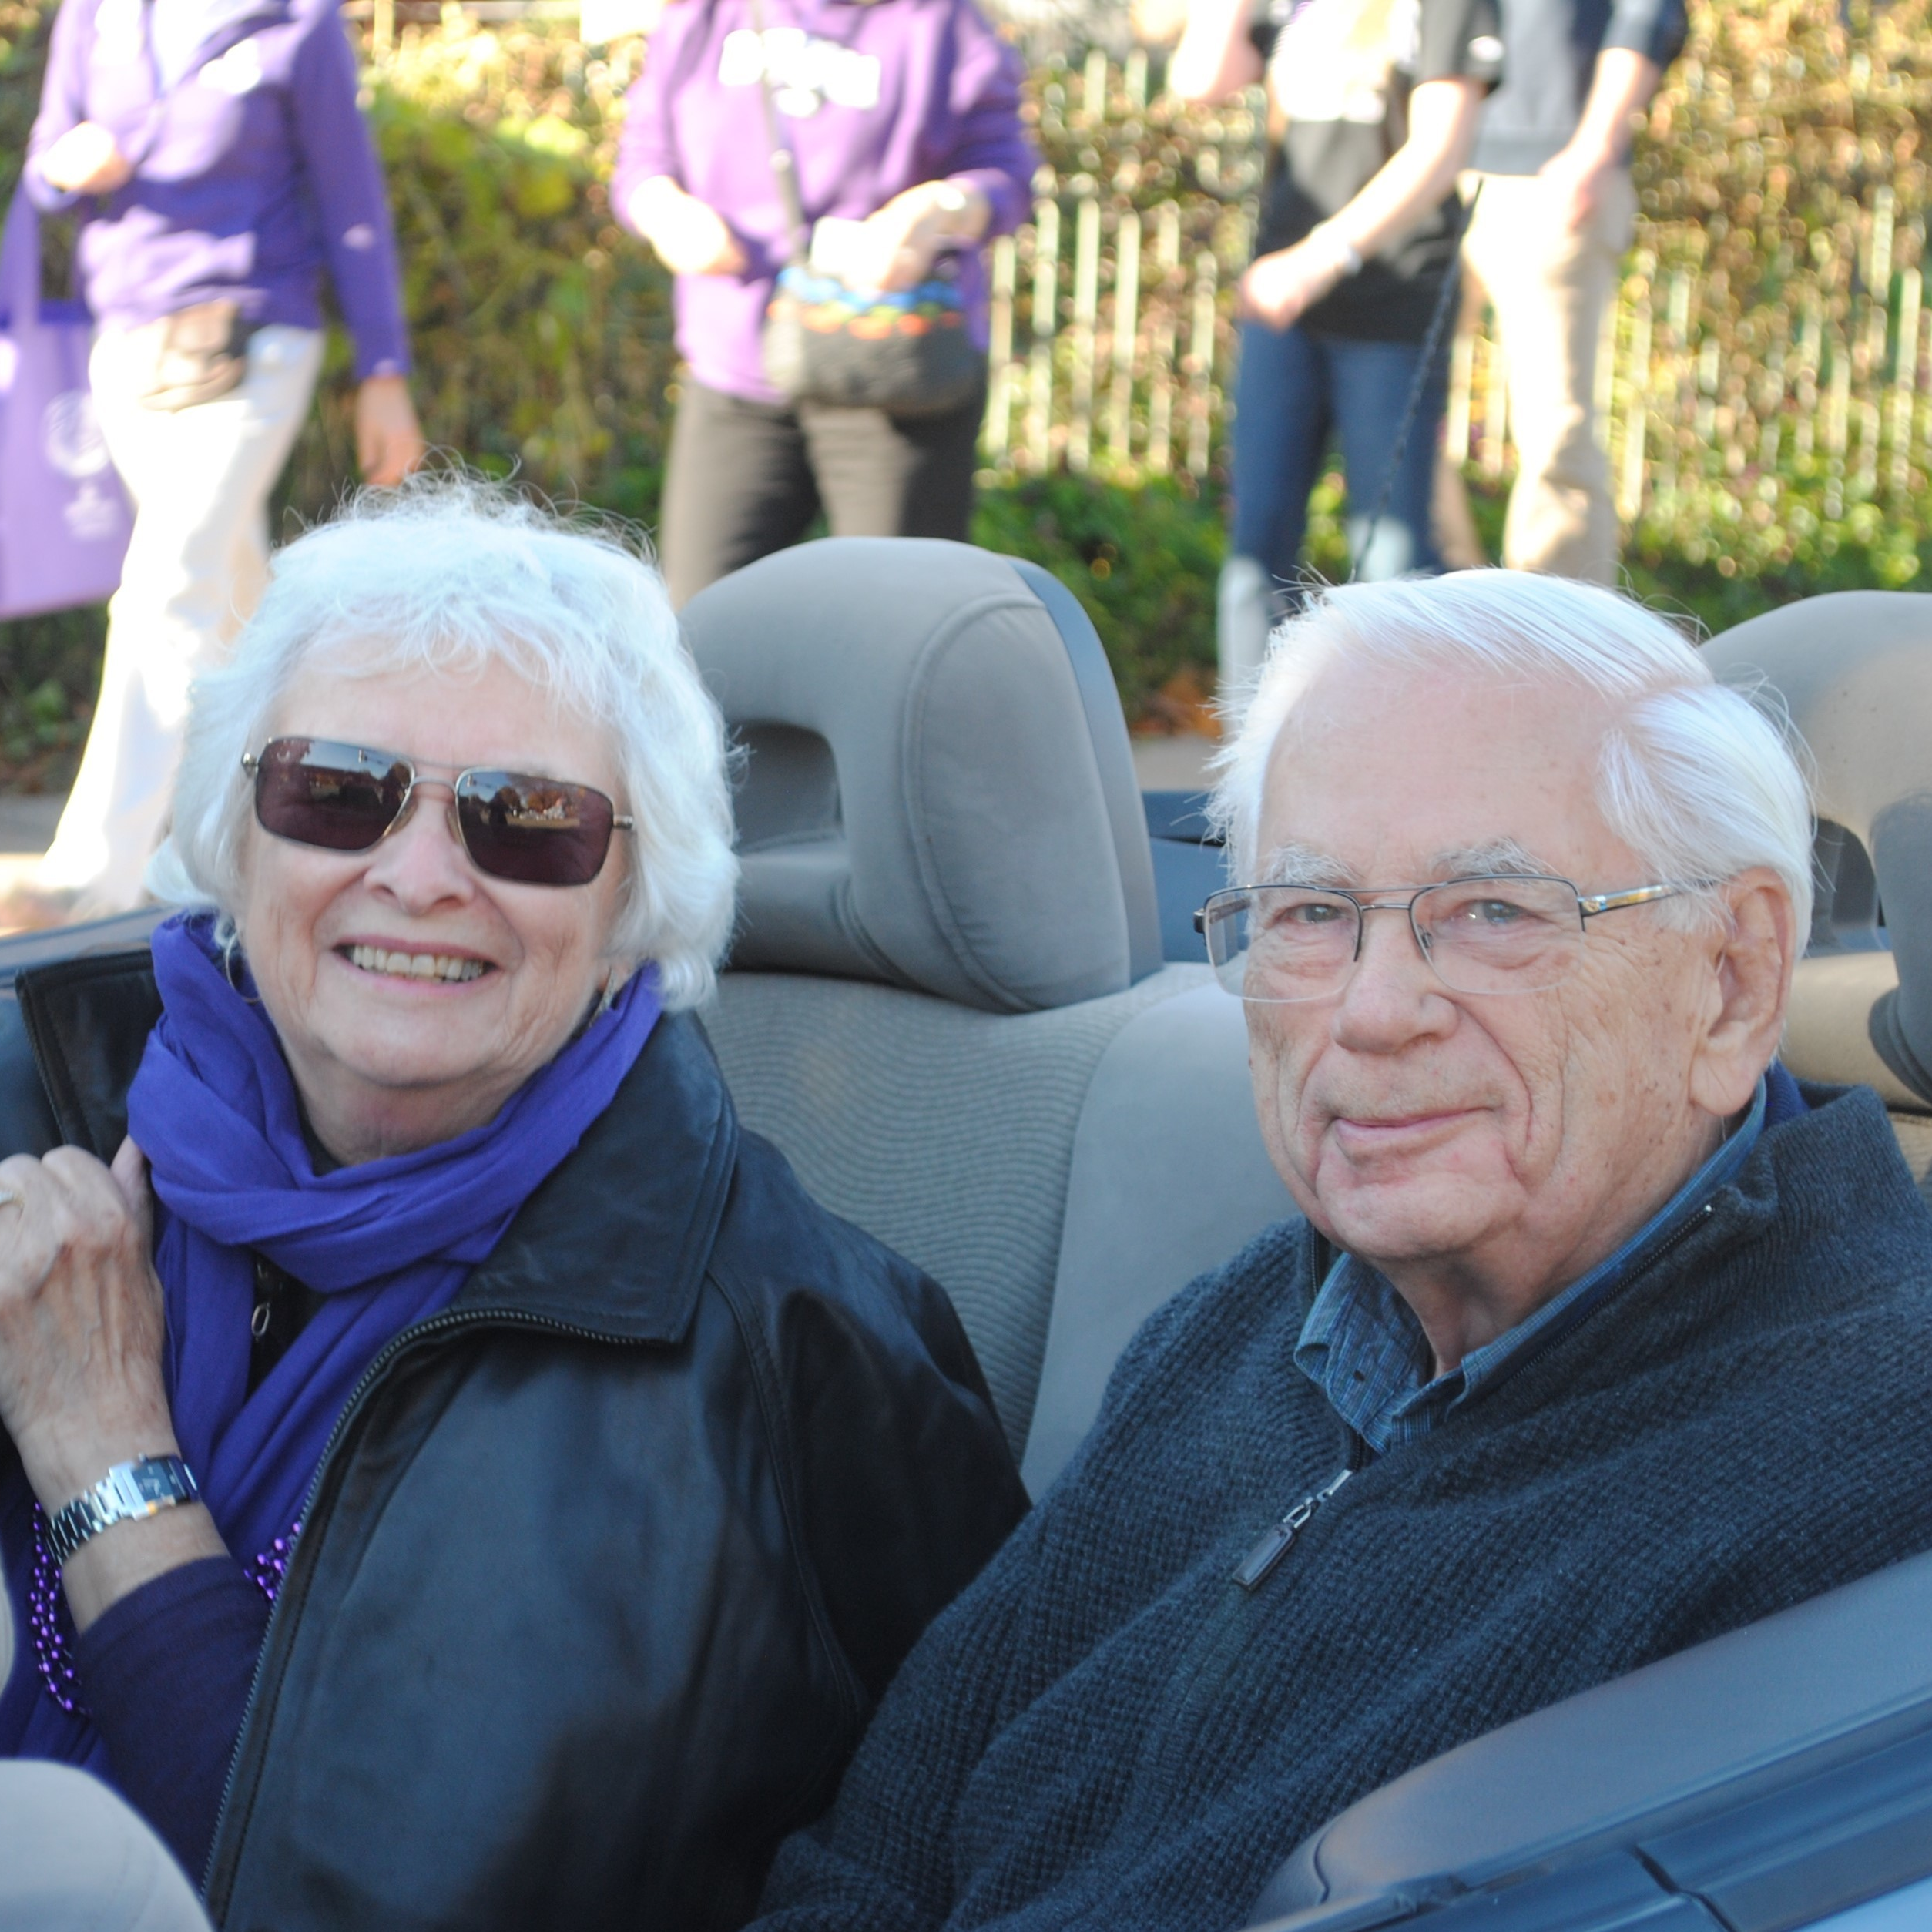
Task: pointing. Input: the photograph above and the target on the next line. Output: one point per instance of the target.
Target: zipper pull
(1258, 1564)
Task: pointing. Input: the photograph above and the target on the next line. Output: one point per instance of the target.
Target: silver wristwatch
(129, 1489)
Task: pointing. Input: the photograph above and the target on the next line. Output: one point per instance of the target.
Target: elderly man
(1536, 1391)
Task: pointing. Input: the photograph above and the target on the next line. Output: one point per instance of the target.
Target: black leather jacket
(607, 1564)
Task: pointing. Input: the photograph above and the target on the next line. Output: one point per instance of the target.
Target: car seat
(1854, 669)
(946, 1001)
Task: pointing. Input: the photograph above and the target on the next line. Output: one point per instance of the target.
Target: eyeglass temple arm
(1597, 902)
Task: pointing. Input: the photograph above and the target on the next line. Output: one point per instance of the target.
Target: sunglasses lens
(320, 792)
(536, 831)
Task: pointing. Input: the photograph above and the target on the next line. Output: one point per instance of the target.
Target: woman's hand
(85, 160)
(895, 248)
(1279, 288)
(82, 1333)
(389, 440)
(690, 236)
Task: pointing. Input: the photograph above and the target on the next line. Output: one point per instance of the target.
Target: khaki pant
(197, 565)
(1551, 292)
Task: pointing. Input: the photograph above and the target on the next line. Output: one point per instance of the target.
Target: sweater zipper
(1258, 1565)
(436, 1325)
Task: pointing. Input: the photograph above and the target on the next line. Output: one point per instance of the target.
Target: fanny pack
(193, 355)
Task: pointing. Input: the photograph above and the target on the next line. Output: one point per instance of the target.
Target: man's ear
(1752, 964)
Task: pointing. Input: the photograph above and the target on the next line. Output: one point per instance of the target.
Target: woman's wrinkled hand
(85, 160)
(82, 1325)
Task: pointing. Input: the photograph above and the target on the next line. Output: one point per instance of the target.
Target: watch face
(128, 1489)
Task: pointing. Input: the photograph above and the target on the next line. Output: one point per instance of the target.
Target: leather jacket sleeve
(905, 1483)
(900, 1513)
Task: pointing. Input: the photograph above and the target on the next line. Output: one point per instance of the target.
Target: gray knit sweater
(1105, 1732)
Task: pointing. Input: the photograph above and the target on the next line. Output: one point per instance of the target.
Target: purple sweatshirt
(872, 99)
(253, 167)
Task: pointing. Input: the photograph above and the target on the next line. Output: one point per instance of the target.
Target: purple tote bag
(64, 516)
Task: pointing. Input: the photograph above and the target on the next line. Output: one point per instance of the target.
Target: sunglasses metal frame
(1377, 899)
(253, 763)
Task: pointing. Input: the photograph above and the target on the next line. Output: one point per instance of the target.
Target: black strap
(1450, 297)
(784, 167)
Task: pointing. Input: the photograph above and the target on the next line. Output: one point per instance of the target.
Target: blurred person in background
(902, 115)
(1359, 224)
(222, 164)
(1556, 212)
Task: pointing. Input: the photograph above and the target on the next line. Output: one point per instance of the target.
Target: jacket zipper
(443, 1324)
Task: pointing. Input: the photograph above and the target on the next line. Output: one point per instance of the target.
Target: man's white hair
(446, 576)
(1698, 779)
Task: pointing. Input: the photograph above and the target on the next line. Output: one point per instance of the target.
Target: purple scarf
(388, 1244)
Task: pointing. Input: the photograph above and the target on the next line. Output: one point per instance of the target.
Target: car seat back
(1854, 668)
(948, 928)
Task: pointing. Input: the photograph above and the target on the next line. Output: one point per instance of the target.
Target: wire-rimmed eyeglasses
(1498, 933)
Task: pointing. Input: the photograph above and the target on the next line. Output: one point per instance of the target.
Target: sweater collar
(1363, 1347)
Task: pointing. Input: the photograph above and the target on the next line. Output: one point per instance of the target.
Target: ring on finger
(11, 1197)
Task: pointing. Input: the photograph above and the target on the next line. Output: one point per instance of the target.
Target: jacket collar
(615, 1242)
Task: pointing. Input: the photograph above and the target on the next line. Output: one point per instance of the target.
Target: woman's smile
(448, 969)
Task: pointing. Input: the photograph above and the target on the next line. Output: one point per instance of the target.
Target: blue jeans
(1294, 390)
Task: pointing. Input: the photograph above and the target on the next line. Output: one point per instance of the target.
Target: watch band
(129, 1489)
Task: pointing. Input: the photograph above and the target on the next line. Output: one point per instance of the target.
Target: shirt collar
(1363, 1347)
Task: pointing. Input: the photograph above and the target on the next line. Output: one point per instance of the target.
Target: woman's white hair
(447, 575)
(1697, 779)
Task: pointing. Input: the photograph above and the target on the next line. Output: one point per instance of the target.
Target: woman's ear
(1753, 962)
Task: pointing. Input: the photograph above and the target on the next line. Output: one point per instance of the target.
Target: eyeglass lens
(343, 797)
(1288, 943)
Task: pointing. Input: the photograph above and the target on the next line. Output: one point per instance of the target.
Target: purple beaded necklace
(53, 1627)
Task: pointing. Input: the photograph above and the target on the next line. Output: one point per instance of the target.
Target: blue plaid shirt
(1363, 1347)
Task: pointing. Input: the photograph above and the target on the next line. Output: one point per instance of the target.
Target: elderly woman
(485, 1490)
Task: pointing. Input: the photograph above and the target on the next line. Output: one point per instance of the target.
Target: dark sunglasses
(536, 831)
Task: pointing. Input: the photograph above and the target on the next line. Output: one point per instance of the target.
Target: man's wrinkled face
(1473, 1136)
